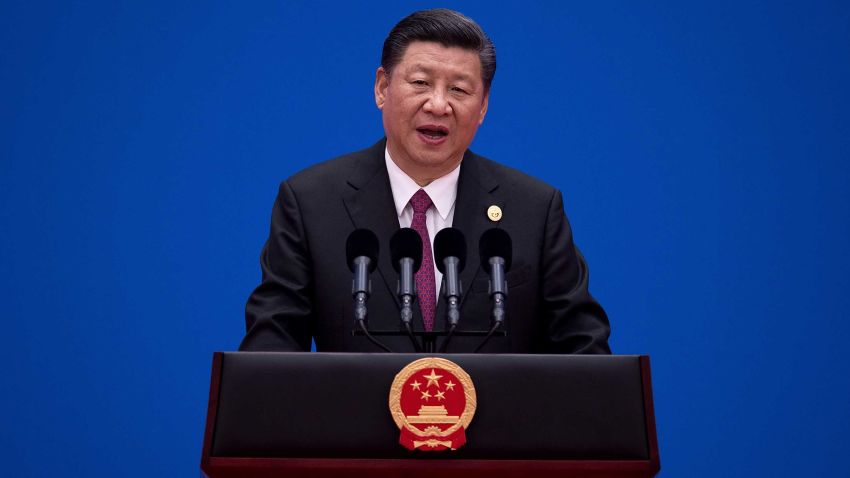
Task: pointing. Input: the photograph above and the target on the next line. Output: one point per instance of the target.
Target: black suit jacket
(306, 286)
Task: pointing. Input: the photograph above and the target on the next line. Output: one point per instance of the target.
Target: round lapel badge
(494, 213)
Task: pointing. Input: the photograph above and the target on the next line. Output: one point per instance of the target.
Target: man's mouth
(433, 131)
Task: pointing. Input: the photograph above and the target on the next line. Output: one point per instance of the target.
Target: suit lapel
(476, 191)
(370, 205)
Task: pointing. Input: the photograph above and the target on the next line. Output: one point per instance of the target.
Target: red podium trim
(276, 467)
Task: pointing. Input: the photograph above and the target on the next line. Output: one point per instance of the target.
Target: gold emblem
(494, 213)
(432, 401)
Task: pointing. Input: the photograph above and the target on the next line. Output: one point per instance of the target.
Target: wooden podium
(327, 414)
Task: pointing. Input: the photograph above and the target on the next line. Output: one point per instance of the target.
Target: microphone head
(406, 243)
(362, 242)
(450, 242)
(495, 243)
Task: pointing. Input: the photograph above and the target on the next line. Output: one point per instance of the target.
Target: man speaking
(432, 89)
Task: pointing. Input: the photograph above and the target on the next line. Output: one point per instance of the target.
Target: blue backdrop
(702, 149)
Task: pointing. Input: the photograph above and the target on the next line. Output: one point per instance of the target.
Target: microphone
(361, 252)
(406, 253)
(495, 250)
(450, 252)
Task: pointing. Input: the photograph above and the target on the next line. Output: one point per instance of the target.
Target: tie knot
(420, 201)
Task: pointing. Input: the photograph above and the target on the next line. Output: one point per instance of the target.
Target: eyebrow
(416, 67)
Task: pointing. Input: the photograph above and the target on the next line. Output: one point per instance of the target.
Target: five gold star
(426, 395)
(450, 385)
(415, 385)
(440, 395)
(432, 379)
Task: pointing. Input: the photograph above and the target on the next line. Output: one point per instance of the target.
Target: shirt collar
(443, 190)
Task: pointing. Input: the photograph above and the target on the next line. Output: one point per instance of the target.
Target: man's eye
(459, 90)
(419, 82)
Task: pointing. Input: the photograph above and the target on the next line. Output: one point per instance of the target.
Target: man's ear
(484, 106)
(382, 81)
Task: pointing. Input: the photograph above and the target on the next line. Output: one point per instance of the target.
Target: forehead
(432, 57)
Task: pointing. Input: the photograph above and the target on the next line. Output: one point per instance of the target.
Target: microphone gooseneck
(406, 253)
(361, 252)
(495, 250)
(450, 254)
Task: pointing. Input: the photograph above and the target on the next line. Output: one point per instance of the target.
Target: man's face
(432, 102)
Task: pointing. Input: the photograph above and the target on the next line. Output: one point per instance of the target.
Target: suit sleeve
(278, 312)
(573, 322)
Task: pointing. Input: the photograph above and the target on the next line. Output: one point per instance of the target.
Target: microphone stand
(495, 326)
(375, 341)
(429, 339)
(361, 312)
(407, 294)
(452, 287)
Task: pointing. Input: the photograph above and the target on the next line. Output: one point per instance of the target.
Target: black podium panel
(322, 405)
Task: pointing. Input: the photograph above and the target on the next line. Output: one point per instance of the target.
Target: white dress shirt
(443, 192)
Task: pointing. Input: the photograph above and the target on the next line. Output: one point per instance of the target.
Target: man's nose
(438, 104)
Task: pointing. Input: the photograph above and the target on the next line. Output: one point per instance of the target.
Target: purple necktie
(425, 277)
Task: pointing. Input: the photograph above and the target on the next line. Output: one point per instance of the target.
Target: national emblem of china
(432, 401)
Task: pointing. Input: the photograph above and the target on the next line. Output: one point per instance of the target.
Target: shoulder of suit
(339, 168)
(512, 179)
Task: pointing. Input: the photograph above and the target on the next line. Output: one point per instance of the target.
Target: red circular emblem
(432, 401)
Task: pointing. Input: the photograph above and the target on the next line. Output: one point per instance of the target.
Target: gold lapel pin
(494, 213)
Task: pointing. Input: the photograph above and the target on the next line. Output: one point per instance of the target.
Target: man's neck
(424, 176)
(443, 190)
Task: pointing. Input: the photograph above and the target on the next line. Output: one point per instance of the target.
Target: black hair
(446, 27)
